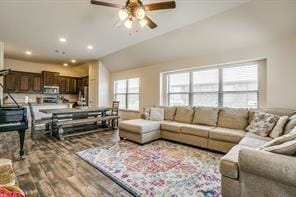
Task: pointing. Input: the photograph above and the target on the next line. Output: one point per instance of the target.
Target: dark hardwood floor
(51, 167)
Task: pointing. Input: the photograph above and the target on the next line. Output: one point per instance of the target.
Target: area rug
(160, 168)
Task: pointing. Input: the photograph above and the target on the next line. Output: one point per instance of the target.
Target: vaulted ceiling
(250, 24)
(37, 26)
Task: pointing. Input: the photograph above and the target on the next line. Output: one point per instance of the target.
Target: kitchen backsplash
(20, 98)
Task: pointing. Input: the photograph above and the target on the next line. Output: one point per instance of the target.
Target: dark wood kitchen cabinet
(84, 81)
(68, 85)
(50, 78)
(29, 82)
(37, 83)
(64, 85)
(73, 85)
(23, 82)
(10, 82)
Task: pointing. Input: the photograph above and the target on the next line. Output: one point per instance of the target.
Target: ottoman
(140, 130)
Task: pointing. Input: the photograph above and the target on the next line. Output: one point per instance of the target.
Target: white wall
(99, 84)
(26, 66)
(93, 84)
(104, 85)
(280, 74)
(1, 67)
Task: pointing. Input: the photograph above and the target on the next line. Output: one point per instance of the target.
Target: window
(179, 89)
(127, 93)
(205, 88)
(228, 86)
(240, 87)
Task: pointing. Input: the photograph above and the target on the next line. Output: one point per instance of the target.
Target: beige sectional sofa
(245, 170)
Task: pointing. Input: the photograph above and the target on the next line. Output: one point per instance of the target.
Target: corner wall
(280, 72)
(1, 67)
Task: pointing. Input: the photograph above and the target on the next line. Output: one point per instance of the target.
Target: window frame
(174, 93)
(220, 93)
(126, 94)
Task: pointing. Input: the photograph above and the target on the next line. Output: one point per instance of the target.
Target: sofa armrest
(280, 168)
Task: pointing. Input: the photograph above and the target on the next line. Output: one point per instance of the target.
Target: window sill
(129, 110)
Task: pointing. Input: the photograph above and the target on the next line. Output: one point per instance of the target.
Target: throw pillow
(262, 123)
(278, 130)
(290, 125)
(147, 113)
(184, 114)
(206, 116)
(282, 139)
(287, 148)
(156, 114)
(169, 113)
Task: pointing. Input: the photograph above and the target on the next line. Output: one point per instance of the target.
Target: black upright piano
(13, 118)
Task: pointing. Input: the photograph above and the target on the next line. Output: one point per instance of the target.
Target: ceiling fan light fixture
(143, 23)
(128, 23)
(140, 13)
(123, 14)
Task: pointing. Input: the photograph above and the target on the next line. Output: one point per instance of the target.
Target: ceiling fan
(135, 9)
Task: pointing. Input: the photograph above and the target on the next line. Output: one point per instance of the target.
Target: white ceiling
(36, 25)
(250, 24)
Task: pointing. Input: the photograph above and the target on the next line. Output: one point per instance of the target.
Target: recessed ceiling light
(65, 64)
(73, 61)
(28, 52)
(63, 40)
(90, 47)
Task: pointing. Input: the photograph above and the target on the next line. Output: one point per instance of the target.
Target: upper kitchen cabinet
(10, 82)
(37, 83)
(23, 82)
(29, 82)
(84, 81)
(50, 78)
(68, 85)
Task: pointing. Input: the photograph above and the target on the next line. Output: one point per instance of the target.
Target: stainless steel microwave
(51, 90)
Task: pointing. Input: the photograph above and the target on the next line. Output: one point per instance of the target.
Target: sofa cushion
(291, 124)
(282, 139)
(262, 123)
(286, 148)
(278, 129)
(254, 142)
(139, 125)
(184, 114)
(173, 126)
(156, 114)
(233, 118)
(197, 130)
(206, 116)
(229, 163)
(169, 113)
(227, 135)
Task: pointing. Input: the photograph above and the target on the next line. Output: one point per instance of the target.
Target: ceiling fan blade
(150, 23)
(160, 6)
(113, 5)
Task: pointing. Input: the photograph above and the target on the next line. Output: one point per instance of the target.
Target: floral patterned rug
(160, 168)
